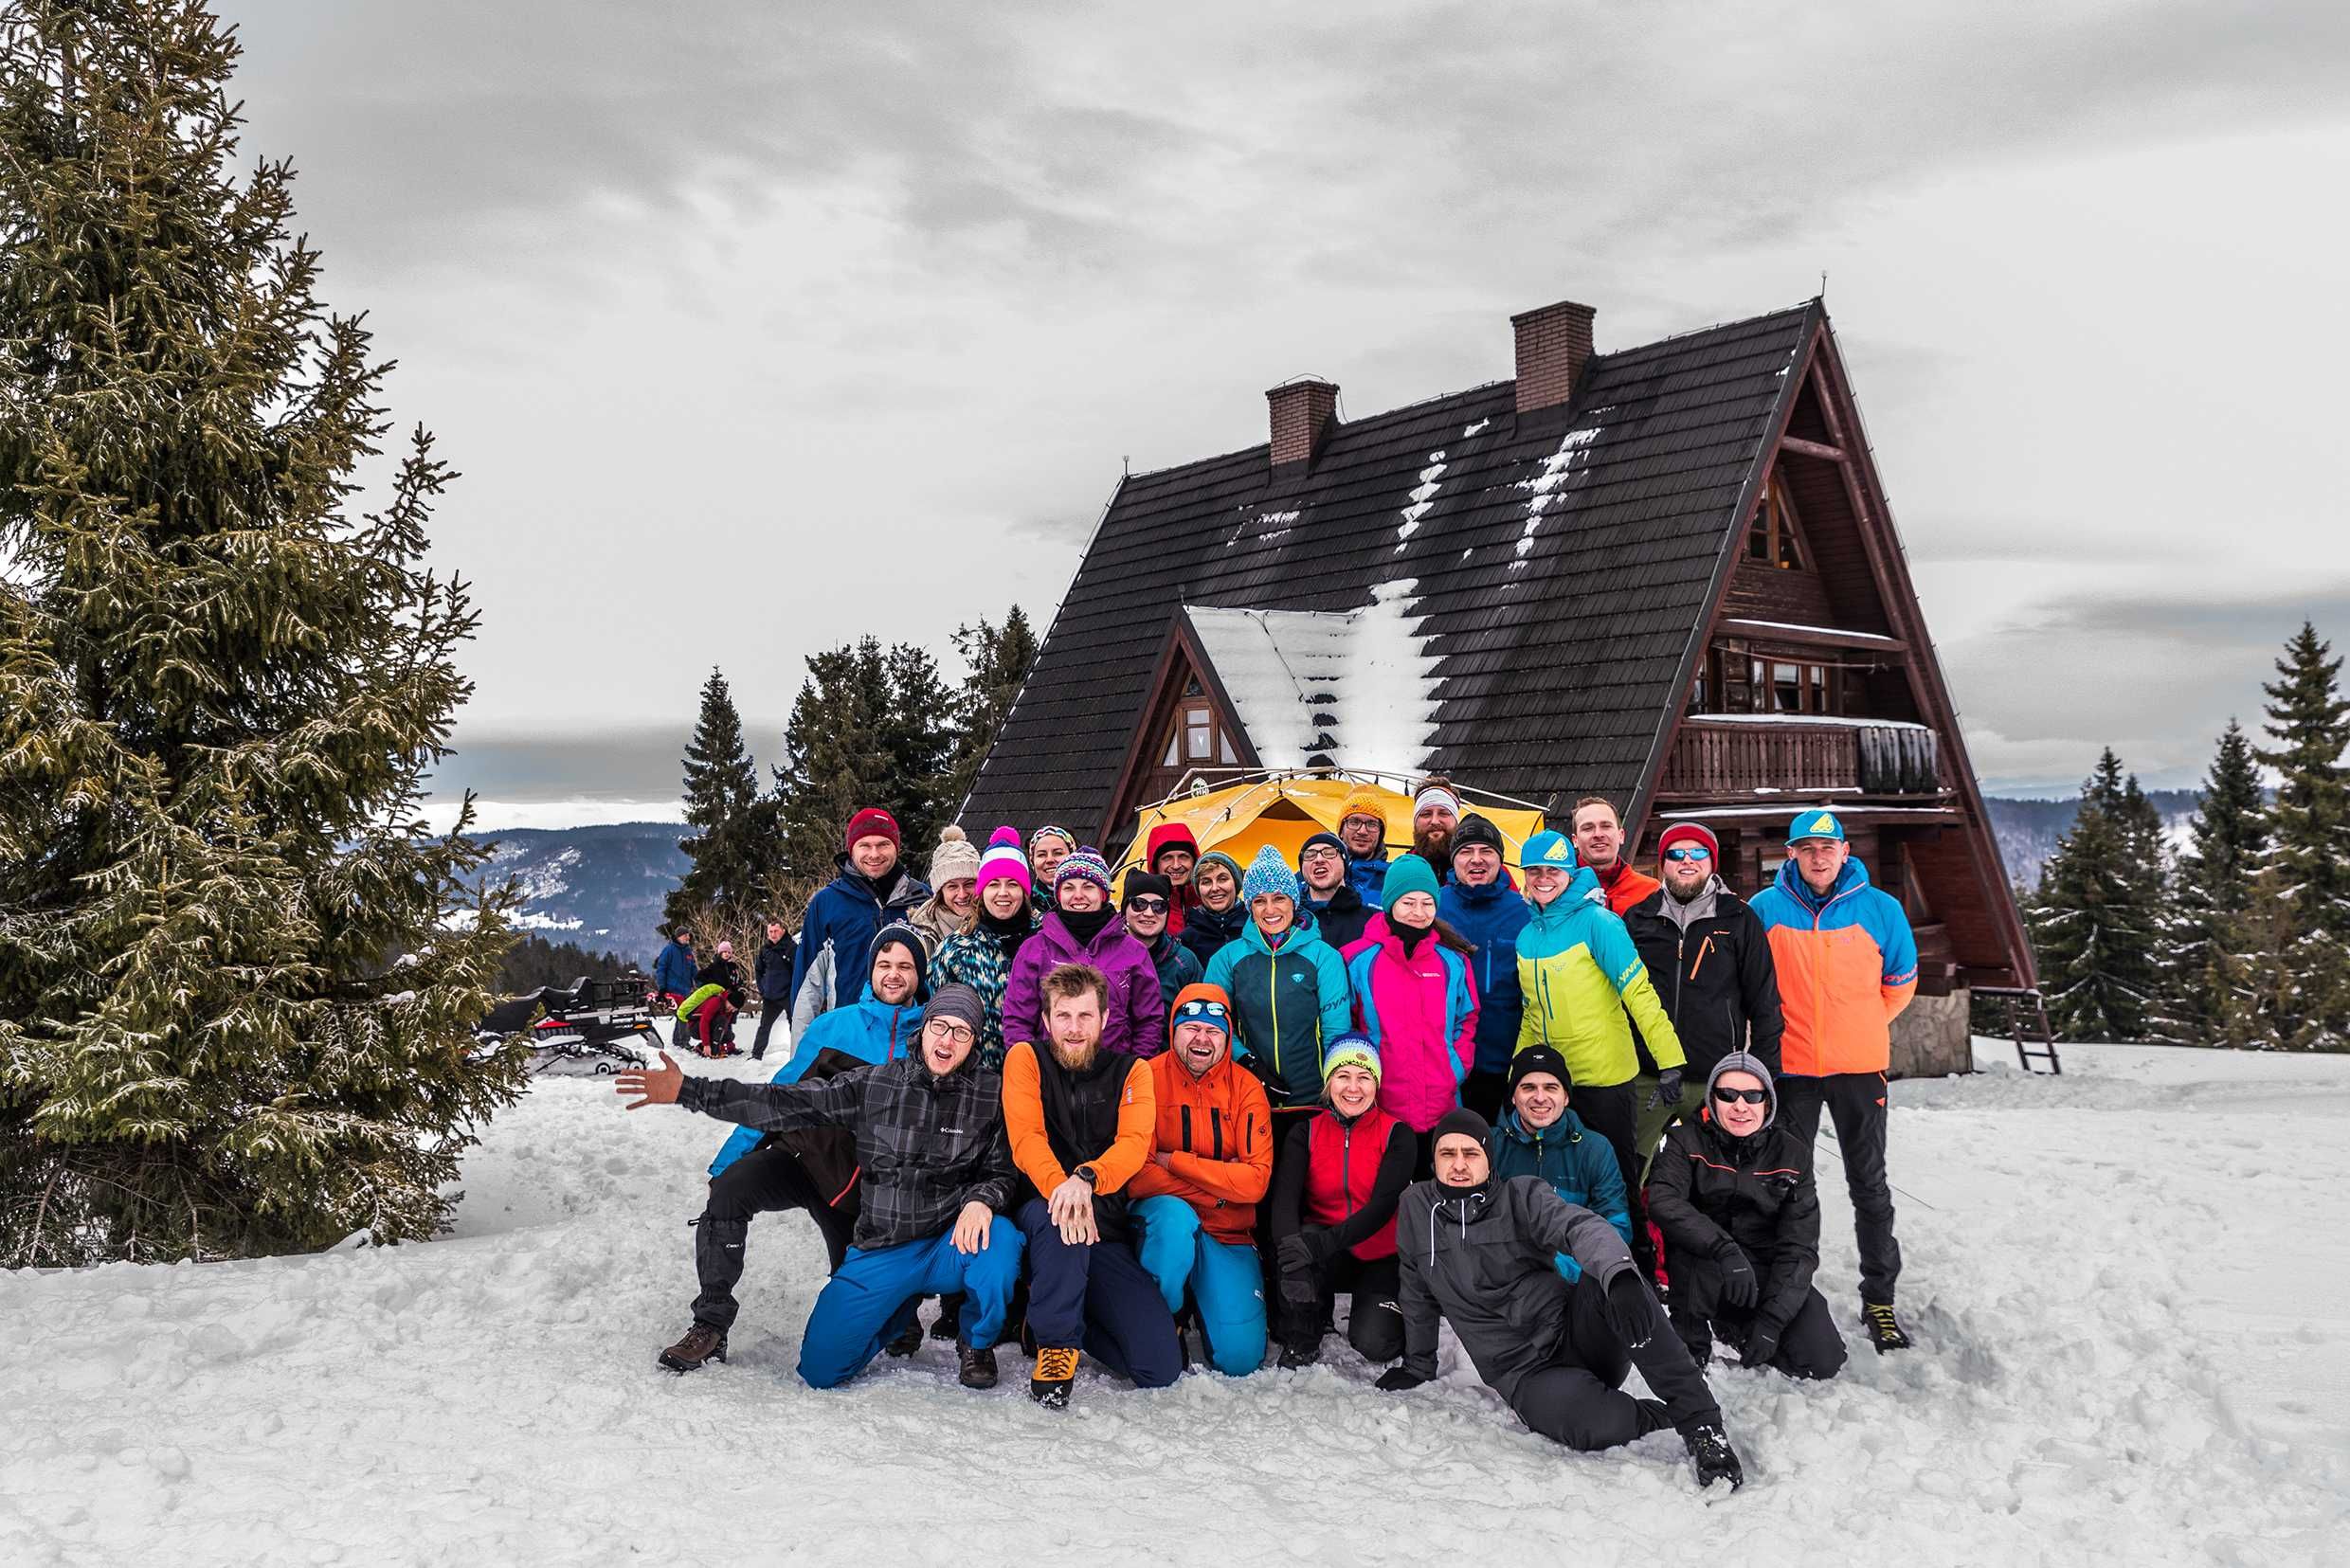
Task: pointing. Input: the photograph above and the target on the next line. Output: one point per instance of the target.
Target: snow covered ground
(2128, 1284)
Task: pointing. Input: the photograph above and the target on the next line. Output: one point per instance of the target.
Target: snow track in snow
(2128, 1285)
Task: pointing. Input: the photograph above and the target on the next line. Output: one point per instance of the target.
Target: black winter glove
(1631, 1312)
(1667, 1087)
(1297, 1289)
(1762, 1344)
(1396, 1380)
(1737, 1274)
(1295, 1254)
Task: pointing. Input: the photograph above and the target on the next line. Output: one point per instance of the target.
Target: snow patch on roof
(1803, 719)
(1316, 689)
(1268, 525)
(1423, 497)
(1475, 429)
(1558, 469)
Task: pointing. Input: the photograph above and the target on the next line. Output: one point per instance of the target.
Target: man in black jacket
(937, 1177)
(1338, 912)
(1483, 1255)
(1734, 1197)
(772, 969)
(1710, 963)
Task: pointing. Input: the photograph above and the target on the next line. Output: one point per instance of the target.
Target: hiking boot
(1710, 1447)
(701, 1343)
(1883, 1328)
(1056, 1374)
(908, 1342)
(979, 1367)
(1295, 1356)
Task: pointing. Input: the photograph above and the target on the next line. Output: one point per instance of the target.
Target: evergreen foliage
(2205, 948)
(239, 975)
(2302, 893)
(733, 855)
(999, 660)
(2097, 917)
(533, 962)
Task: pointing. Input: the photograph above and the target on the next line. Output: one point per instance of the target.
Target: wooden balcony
(1737, 759)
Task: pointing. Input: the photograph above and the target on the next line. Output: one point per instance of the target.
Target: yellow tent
(1284, 810)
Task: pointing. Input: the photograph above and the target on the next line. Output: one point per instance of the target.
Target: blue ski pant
(1222, 1278)
(865, 1302)
(1096, 1298)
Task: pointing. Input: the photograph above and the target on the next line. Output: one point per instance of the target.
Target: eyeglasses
(1319, 851)
(959, 1034)
(1752, 1096)
(1686, 851)
(1146, 906)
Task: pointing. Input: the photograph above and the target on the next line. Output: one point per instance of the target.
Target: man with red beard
(1435, 817)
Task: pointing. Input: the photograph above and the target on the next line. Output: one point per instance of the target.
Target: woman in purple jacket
(1081, 928)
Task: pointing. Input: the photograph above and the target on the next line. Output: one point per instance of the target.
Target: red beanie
(1691, 832)
(872, 822)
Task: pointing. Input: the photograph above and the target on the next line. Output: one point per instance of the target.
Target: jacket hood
(1168, 835)
(1791, 882)
(1739, 1061)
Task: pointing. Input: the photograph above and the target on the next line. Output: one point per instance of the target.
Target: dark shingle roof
(1556, 662)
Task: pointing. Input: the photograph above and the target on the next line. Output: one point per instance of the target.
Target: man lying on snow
(938, 1176)
(1485, 1254)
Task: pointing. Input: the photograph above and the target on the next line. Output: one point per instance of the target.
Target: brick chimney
(1554, 344)
(1302, 410)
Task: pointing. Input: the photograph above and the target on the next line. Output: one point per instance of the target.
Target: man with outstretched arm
(938, 1176)
(1485, 1254)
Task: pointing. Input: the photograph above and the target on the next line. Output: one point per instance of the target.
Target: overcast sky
(753, 328)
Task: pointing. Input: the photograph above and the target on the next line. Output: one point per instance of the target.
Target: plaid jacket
(926, 1146)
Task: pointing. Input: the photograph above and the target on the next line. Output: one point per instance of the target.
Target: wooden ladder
(2027, 1024)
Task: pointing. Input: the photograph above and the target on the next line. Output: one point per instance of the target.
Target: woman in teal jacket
(1288, 988)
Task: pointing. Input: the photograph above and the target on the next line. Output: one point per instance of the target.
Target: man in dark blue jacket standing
(1481, 903)
(772, 969)
(868, 890)
(673, 971)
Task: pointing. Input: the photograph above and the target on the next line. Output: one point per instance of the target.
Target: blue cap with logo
(1815, 824)
(1549, 850)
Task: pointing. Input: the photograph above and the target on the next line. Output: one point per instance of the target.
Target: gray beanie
(1745, 1062)
(959, 1003)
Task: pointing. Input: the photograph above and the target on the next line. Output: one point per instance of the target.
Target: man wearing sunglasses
(937, 1176)
(1710, 963)
(1148, 908)
(1733, 1195)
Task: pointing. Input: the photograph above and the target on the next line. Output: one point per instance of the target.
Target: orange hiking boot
(1056, 1374)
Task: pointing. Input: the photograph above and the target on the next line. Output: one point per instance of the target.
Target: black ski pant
(768, 1013)
(1613, 1114)
(1857, 1101)
(1374, 1322)
(1809, 1344)
(1576, 1396)
(768, 1178)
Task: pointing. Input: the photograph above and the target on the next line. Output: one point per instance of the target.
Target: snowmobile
(590, 1028)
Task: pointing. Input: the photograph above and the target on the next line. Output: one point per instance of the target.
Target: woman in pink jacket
(1416, 997)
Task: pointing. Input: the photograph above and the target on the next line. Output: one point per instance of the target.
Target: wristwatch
(1086, 1175)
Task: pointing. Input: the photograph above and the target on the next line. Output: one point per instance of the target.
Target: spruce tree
(2205, 964)
(240, 975)
(730, 855)
(999, 660)
(2307, 864)
(2095, 920)
(833, 763)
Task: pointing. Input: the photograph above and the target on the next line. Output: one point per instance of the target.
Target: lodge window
(1737, 680)
(1773, 538)
(1196, 740)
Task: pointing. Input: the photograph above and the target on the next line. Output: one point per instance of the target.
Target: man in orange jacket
(1196, 1202)
(1080, 1120)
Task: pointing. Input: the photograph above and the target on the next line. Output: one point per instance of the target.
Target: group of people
(1569, 1112)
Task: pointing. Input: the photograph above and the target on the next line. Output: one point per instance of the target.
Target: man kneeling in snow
(1486, 1254)
(938, 1176)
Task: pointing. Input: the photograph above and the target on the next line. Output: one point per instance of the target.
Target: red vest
(1341, 1168)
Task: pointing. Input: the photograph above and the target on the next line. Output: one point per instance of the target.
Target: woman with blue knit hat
(1336, 1185)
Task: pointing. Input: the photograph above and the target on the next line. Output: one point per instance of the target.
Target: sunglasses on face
(1686, 851)
(1752, 1096)
(1146, 906)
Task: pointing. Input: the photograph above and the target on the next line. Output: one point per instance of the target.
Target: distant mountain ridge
(604, 887)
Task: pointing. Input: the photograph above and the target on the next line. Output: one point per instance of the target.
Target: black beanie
(1139, 880)
(1539, 1059)
(1474, 829)
(898, 933)
(1459, 1119)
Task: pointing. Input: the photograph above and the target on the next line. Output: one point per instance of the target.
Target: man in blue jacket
(1539, 1136)
(1485, 907)
(673, 971)
(773, 971)
(815, 1168)
(868, 888)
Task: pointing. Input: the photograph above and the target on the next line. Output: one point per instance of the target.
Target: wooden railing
(1735, 761)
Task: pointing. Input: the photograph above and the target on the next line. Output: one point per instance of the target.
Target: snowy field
(2129, 1285)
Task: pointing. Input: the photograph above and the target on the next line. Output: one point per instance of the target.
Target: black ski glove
(1630, 1311)
(1737, 1274)
(1667, 1087)
(1396, 1380)
(1298, 1292)
(1762, 1344)
(1294, 1254)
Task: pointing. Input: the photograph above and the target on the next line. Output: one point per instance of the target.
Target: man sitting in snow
(1485, 1253)
(937, 1176)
